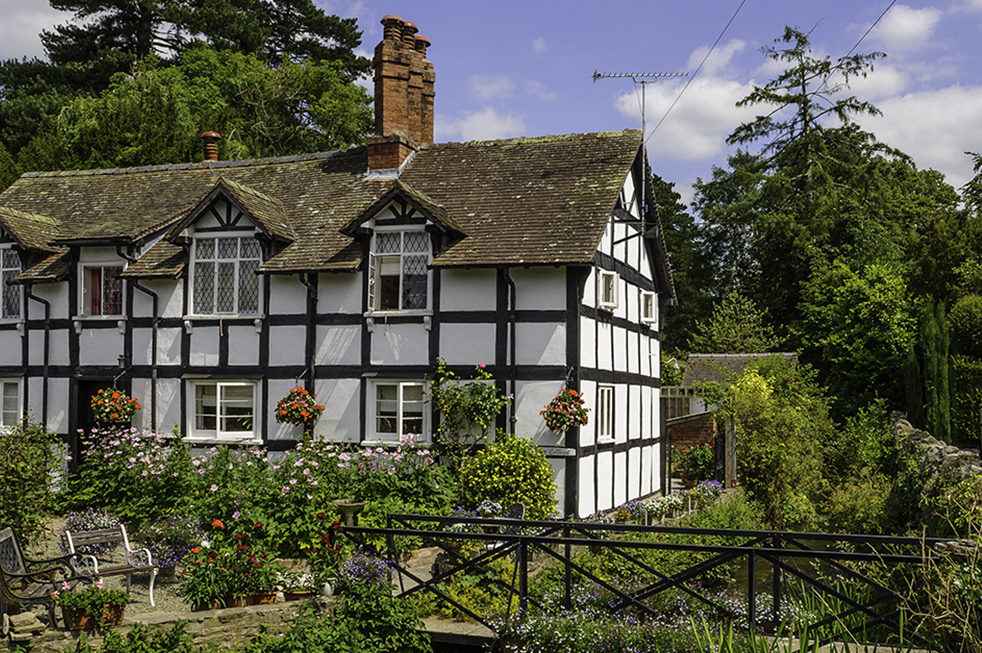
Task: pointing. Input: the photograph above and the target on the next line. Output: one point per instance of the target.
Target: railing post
(777, 576)
(752, 590)
(567, 571)
(523, 574)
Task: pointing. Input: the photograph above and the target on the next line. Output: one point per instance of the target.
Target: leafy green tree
(156, 114)
(8, 168)
(861, 324)
(735, 327)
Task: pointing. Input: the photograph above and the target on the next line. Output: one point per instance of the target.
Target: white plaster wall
(140, 390)
(340, 420)
(539, 288)
(57, 402)
(604, 336)
(105, 255)
(588, 334)
(620, 348)
(588, 433)
(468, 290)
(540, 343)
(169, 406)
(100, 346)
(204, 346)
(338, 345)
(530, 398)
(10, 347)
(585, 476)
(142, 346)
(169, 346)
(622, 416)
(243, 346)
(637, 424)
(287, 345)
(56, 294)
(605, 473)
(399, 344)
(559, 478)
(634, 472)
(620, 474)
(467, 344)
(287, 295)
(339, 293)
(170, 298)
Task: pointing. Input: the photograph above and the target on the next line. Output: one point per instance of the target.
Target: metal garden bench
(25, 582)
(135, 561)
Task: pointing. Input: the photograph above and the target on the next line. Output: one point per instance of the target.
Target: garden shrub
(91, 519)
(858, 504)
(140, 476)
(966, 397)
(510, 470)
(28, 464)
(697, 463)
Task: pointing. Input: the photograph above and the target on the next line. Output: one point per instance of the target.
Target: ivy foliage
(28, 465)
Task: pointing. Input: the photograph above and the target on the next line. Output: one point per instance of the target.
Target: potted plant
(325, 560)
(695, 463)
(298, 584)
(90, 607)
(112, 406)
(565, 411)
(206, 578)
(299, 407)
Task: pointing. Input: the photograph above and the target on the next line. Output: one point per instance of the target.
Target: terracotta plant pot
(82, 620)
(261, 598)
(201, 607)
(298, 595)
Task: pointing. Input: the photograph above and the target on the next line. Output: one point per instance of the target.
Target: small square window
(224, 409)
(398, 410)
(607, 287)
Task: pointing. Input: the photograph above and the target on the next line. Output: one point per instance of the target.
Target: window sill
(79, 321)
(257, 320)
(382, 317)
(224, 439)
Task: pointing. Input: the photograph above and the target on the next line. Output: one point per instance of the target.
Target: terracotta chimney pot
(211, 145)
(409, 34)
(422, 43)
(393, 28)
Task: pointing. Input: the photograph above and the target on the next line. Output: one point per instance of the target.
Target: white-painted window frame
(605, 413)
(649, 307)
(198, 413)
(10, 402)
(405, 410)
(377, 262)
(198, 305)
(608, 290)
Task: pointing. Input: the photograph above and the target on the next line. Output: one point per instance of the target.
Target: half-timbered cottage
(208, 290)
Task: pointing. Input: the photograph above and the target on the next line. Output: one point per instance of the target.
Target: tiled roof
(527, 201)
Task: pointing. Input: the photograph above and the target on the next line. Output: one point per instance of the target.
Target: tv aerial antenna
(643, 79)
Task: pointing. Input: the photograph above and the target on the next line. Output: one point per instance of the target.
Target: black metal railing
(790, 556)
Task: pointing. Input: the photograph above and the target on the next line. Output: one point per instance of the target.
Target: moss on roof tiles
(526, 201)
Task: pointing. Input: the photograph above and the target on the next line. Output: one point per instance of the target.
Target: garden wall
(228, 628)
(937, 458)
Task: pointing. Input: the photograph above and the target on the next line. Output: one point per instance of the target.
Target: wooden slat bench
(25, 582)
(135, 561)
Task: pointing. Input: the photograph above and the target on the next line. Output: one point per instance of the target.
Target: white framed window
(10, 268)
(649, 307)
(607, 289)
(224, 279)
(223, 409)
(102, 290)
(397, 410)
(9, 402)
(605, 412)
(398, 271)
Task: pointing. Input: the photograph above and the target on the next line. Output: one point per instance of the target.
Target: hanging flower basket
(112, 406)
(298, 407)
(565, 411)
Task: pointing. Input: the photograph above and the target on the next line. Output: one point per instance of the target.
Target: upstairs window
(399, 277)
(607, 284)
(649, 307)
(102, 290)
(10, 267)
(224, 276)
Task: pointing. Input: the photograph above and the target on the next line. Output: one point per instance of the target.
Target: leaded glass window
(102, 290)
(400, 277)
(10, 266)
(225, 279)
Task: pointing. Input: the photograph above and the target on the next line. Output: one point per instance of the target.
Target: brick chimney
(211, 145)
(403, 95)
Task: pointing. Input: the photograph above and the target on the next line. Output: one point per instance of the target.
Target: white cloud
(21, 27)
(696, 129)
(538, 89)
(486, 124)
(717, 61)
(486, 87)
(935, 128)
(904, 28)
(883, 82)
(539, 44)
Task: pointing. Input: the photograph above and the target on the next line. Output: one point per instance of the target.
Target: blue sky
(510, 68)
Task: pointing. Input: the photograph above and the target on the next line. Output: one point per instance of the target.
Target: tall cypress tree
(934, 343)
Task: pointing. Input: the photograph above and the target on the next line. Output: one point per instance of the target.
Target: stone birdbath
(349, 510)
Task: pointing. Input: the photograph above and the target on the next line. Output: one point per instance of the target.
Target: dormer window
(399, 276)
(224, 280)
(102, 290)
(10, 268)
